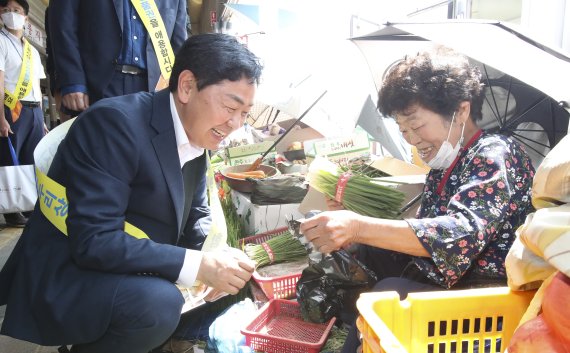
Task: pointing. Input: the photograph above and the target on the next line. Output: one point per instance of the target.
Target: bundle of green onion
(362, 194)
(281, 248)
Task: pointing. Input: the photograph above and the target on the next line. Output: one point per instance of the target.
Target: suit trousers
(146, 311)
(122, 84)
(28, 131)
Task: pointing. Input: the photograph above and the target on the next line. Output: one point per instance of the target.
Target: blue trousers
(146, 311)
(28, 131)
(120, 85)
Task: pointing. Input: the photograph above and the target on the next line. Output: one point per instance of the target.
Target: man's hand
(77, 101)
(5, 129)
(227, 270)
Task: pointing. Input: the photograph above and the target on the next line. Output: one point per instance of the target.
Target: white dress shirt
(11, 52)
(186, 152)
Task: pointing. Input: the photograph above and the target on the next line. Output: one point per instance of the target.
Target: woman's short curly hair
(438, 80)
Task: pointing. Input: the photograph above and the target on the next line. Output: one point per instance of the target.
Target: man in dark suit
(99, 288)
(102, 48)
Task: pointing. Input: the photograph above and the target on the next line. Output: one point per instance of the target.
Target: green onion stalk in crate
(281, 248)
(357, 192)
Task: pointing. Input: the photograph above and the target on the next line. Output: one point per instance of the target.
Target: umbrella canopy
(254, 12)
(527, 96)
(294, 78)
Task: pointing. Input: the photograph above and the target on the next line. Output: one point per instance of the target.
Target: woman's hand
(334, 205)
(330, 231)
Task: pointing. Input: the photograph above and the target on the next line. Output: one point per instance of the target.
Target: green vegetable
(362, 194)
(336, 340)
(280, 248)
(234, 225)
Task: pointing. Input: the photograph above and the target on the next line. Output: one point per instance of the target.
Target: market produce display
(256, 174)
(233, 223)
(550, 330)
(280, 248)
(357, 192)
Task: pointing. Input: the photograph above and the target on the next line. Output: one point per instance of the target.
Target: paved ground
(8, 238)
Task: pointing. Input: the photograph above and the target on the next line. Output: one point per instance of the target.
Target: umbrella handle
(258, 161)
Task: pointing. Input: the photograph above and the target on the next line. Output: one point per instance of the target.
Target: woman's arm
(332, 230)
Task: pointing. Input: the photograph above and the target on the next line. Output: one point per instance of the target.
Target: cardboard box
(258, 219)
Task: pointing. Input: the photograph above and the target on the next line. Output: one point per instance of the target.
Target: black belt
(30, 104)
(130, 70)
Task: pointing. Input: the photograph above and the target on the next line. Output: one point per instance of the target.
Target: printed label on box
(249, 159)
(247, 154)
(339, 150)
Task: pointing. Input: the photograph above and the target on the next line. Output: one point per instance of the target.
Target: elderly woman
(476, 194)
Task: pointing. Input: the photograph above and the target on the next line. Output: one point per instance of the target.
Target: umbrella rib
(532, 149)
(516, 119)
(521, 138)
(508, 97)
(496, 107)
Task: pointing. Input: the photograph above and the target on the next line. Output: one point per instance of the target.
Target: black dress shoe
(15, 220)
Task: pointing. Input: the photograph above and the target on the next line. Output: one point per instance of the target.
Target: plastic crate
(278, 287)
(468, 321)
(279, 328)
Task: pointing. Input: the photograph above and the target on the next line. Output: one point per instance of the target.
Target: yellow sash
(53, 199)
(23, 86)
(53, 204)
(154, 25)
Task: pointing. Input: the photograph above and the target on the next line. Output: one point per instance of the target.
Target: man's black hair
(215, 57)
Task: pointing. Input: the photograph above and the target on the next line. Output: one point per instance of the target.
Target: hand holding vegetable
(330, 231)
(334, 205)
(227, 271)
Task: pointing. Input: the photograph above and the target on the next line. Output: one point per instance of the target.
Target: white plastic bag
(224, 333)
(17, 186)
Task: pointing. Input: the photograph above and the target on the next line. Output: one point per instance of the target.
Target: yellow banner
(53, 204)
(154, 25)
(23, 86)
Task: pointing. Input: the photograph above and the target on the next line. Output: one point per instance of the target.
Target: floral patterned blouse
(471, 225)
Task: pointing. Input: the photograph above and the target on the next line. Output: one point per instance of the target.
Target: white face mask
(13, 20)
(447, 153)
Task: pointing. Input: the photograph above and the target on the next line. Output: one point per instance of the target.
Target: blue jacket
(119, 162)
(86, 39)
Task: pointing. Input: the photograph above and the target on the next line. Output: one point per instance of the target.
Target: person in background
(96, 285)
(476, 194)
(103, 48)
(50, 69)
(22, 119)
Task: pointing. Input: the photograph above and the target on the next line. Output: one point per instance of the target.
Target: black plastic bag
(331, 285)
(279, 190)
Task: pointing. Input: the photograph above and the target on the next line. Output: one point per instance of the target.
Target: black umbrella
(527, 94)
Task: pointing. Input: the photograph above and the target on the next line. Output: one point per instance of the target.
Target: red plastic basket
(279, 328)
(278, 287)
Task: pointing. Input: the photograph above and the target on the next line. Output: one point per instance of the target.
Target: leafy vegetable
(280, 248)
(362, 194)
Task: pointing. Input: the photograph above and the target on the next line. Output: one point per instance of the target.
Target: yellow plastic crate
(468, 321)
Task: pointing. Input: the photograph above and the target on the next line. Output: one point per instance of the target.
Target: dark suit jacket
(86, 37)
(119, 162)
